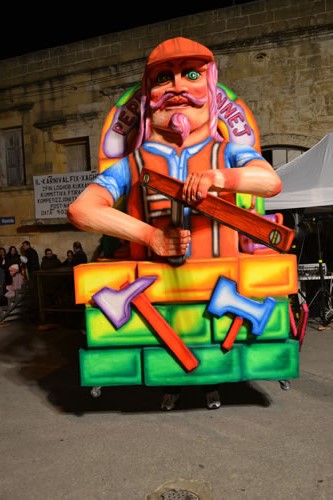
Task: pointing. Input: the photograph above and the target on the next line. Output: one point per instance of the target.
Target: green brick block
(187, 320)
(215, 366)
(277, 328)
(101, 332)
(110, 367)
(271, 361)
(190, 322)
(264, 361)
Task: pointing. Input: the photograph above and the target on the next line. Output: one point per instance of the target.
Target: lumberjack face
(179, 89)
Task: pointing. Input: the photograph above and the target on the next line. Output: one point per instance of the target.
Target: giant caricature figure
(178, 137)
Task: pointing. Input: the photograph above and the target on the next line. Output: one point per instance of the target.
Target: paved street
(58, 442)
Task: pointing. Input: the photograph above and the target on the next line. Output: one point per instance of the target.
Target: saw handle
(177, 220)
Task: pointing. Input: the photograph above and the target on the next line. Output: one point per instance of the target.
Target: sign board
(9, 219)
(54, 193)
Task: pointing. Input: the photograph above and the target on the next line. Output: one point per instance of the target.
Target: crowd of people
(17, 266)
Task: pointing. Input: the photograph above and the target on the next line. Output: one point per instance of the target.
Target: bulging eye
(163, 77)
(192, 74)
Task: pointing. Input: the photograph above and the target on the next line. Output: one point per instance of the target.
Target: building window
(12, 169)
(76, 154)
(280, 155)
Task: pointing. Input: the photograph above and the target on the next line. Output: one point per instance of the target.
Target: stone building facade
(277, 55)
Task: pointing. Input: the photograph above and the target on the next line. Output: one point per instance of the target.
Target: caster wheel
(96, 392)
(284, 384)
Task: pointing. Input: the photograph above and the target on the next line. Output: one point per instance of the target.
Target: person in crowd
(2, 257)
(68, 262)
(50, 260)
(17, 281)
(178, 136)
(80, 256)
(30, 253)
(2, 271)
(12, 257)
(24, 269)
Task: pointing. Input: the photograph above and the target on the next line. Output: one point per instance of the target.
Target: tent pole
(323, 295)
(322, 290)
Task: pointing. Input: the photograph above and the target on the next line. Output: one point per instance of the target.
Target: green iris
(192, 74)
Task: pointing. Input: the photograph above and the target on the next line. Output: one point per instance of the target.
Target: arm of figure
(94, 211)
(258, 178)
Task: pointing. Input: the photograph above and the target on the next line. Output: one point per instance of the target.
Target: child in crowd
(17, 281)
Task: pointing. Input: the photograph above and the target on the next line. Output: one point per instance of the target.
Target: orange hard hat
(178, 47)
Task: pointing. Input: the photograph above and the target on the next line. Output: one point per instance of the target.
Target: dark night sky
(50, 28)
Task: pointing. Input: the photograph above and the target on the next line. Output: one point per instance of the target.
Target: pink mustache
(182, 98)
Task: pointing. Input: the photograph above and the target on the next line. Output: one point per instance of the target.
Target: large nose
(179, 83)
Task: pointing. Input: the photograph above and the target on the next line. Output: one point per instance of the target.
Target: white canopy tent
(308, 180)
(307, 196)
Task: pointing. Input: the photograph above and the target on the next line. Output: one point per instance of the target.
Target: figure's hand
(169, 241)
(198, 184)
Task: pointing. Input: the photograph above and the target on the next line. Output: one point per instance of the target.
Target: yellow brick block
(90, 278)
(263, 275)
(191, 282)
(256, 276)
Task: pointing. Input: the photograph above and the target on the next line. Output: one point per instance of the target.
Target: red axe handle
(165, 332)
(232, 333)
(256, 227)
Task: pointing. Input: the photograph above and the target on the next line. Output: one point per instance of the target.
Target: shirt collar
(164, 149)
